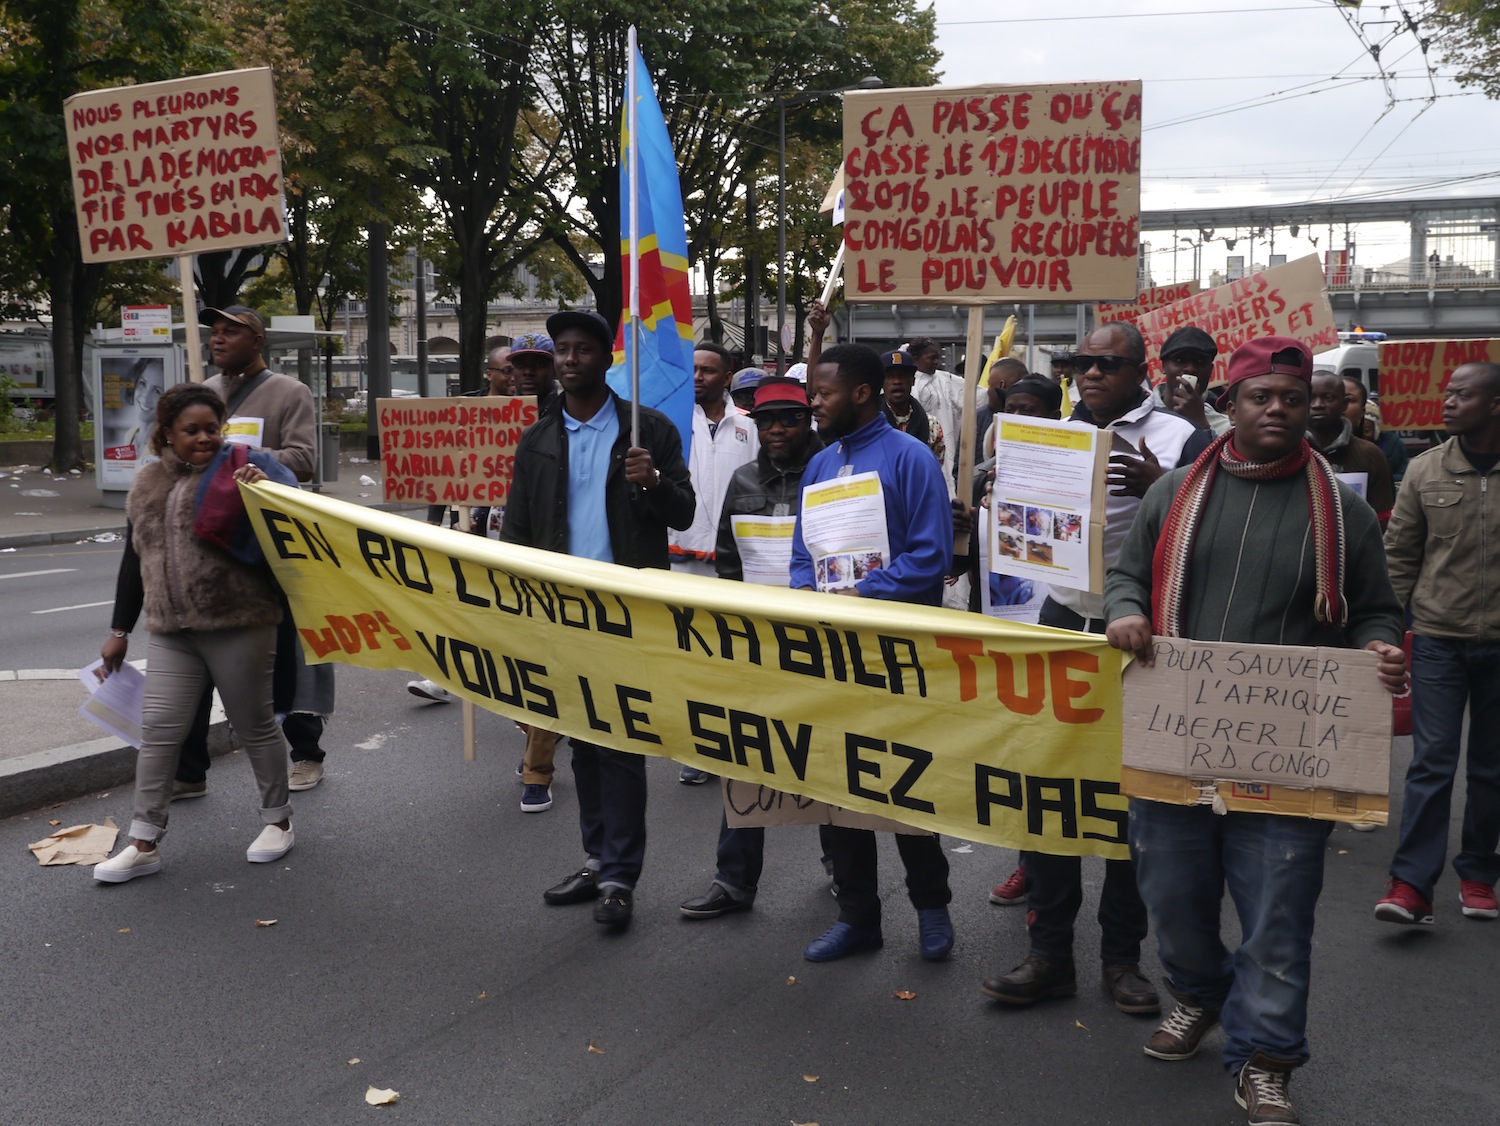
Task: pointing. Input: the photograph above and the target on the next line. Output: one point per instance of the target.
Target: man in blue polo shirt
(580, 488)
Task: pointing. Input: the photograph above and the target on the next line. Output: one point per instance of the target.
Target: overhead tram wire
(1315, 6)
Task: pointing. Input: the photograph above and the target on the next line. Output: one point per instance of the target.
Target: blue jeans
(1445, 675)
(1184, 856)
(611, 787)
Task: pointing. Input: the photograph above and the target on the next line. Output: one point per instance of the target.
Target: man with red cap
(1255, 542)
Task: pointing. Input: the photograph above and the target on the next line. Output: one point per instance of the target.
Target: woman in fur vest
(211, 608)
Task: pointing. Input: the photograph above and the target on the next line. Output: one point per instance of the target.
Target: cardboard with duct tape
(1293, 730)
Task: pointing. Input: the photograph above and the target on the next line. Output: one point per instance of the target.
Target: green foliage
(1468, 35)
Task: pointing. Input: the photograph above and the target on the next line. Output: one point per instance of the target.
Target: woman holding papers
(212, 610)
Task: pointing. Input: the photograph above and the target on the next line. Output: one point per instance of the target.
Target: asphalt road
(55, 604)
(411, 935)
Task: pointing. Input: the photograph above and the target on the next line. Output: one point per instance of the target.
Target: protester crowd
(1229, 519)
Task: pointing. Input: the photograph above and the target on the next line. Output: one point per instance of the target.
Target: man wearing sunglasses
(769, 487)
(1109, 370)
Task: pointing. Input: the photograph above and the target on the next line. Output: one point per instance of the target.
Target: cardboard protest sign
(174, 168)
(1145, 301)
(1278, 718)
(452, 451)
(975, 195)
(749, 805)
(948, 722)
(1282, 301)
(1415, 373)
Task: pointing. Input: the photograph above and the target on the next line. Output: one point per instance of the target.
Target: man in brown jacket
(1443, 548)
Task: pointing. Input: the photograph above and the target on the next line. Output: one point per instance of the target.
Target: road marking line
(33, 574)
(80, 606)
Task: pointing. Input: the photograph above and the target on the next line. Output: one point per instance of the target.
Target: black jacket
(536, 511)
(758, 489)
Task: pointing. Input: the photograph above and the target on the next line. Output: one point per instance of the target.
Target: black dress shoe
(615, 909)
(1033, 980)
(1131, 992)
(577, 888)
(717, 902)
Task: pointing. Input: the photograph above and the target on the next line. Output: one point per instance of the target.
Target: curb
(47, 539)
(48, 777)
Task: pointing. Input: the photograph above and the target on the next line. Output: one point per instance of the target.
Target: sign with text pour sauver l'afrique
(180, 167)
(976, 195)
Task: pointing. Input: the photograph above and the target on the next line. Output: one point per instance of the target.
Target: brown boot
(1033, 980)
(1130, 992)
(1262, 1090)
(1183, 1031)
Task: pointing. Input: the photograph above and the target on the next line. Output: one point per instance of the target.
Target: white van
(1357, 356)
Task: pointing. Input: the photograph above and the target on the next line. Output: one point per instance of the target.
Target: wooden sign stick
(190, 319)
(470, 740)
(973, 370)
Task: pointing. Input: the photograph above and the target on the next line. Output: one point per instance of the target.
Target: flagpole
(633, 156)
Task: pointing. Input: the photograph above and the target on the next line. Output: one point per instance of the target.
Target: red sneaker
(1402, 903)
(1013, 890)
(1478, 899)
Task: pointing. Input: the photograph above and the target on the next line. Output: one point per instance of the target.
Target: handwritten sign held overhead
(1148, 299)
(452, 451)
(173, 168)
(1285, 300)
(983, 194)
(1414, 375)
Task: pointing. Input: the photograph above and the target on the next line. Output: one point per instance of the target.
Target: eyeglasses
(1106, 364)
(791, 419)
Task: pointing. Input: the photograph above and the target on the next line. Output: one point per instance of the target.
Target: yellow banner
(956, 723)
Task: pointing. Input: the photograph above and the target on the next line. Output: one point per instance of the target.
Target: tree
(50, 50)
(1468, 33)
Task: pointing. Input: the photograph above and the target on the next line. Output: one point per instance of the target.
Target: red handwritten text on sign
(1414, 374)
(990, 193)
(180, 167)
(452, 451)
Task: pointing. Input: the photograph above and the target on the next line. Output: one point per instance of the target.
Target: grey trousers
(240, 663)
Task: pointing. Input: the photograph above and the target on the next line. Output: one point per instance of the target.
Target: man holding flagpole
(582, 486)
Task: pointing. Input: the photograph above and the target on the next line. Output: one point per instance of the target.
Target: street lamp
(870, 82)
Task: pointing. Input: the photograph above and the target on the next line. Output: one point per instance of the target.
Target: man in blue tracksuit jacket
(845, 388)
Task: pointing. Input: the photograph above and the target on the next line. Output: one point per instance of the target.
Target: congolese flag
(666, 304)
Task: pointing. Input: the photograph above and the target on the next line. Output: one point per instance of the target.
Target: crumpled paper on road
(77, 844)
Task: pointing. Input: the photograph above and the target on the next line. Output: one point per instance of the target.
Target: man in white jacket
(724, 439)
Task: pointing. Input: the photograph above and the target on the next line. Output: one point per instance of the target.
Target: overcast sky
(1232, 64)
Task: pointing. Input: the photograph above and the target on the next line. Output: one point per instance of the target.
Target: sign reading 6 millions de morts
(180, 167)
(976, 195)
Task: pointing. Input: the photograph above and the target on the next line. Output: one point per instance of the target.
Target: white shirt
(717, 451)
(941, 395)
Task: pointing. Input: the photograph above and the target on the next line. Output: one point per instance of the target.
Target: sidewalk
(49, 753)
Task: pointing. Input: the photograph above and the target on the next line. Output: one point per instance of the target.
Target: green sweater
(1252, 576)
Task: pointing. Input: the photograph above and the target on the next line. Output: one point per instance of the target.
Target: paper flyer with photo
(1048, 502)
(844, 530)
(765, 546)
(1010, 597)
(1359, 482)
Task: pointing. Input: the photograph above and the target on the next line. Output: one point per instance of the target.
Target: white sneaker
(272, 844)
(428, 690)
(131, 862)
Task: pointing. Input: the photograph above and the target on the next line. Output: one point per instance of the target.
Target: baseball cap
(1189, 338)
(778, 394)
(533, 344)
(1266, 356)
(797, 371)
(1038, 387)
(239, 314)
(586, 319)
(900, 358)
(746, 378)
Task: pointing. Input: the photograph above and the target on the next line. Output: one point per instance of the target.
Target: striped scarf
(1175, 545)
